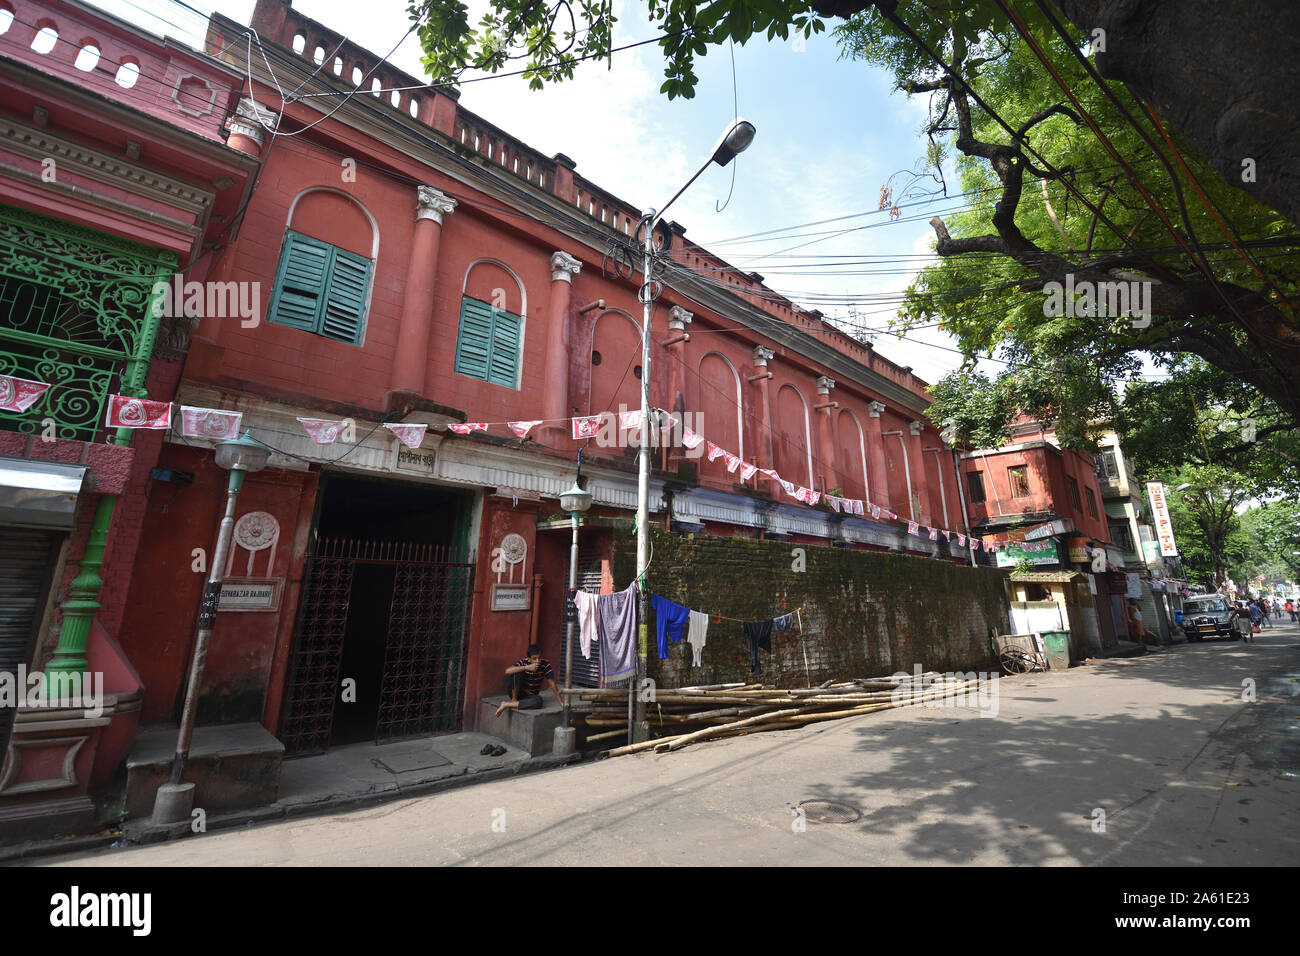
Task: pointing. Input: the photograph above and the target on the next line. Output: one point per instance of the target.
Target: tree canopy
(1096, 233)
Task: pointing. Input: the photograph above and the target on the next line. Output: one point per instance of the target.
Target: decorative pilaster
(825, 409)
(678, 320)
(921, 500)
(251, 127)
(411, 358)
(763, 377)
(433, 204)
(556, 398)
(877, 476)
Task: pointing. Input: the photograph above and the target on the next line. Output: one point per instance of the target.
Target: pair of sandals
(490, 750)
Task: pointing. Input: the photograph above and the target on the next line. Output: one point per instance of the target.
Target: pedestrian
(1242, 623)
(1262, 606)
(1137, 630)
(1290, 609)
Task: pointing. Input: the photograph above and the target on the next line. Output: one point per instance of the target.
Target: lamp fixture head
(734, 141)
(244, 453)
(575, 500)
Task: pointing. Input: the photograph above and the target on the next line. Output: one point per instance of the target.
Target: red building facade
(114, 173)
(415, 264)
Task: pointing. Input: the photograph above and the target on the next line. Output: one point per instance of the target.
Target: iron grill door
(424, 658)
(26, 563)
(313, 684)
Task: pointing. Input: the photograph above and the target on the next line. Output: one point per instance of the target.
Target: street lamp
(734, 141)
(575, 501)
(240, 456)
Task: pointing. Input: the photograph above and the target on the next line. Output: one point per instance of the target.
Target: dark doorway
(380, 645)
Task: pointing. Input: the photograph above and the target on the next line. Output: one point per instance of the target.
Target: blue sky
(830, 133)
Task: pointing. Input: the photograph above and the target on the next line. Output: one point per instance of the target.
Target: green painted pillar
(83, 598)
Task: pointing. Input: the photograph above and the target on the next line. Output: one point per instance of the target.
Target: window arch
(853, 453)
(792, 443)
(493, 310)
(615, 356)
(324, 277)
(720, 389)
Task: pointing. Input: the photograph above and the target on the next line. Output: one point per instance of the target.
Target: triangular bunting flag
(691, 439)
(833, 502)
(466, 428)
(409, 435)
(934, 534)
(715, 451)
(858, 509)
(323, 431)
(913, 528)
(733, 462)
(747, 471)
(521, 429)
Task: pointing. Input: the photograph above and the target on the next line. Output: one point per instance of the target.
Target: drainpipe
(907, 472)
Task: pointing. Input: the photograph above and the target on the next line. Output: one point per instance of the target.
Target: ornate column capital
(679, 318)
(252, 120)
(824, 384)
(875, 409)
(433, 204)
(564, 267)
(762, 356)
(916, 427)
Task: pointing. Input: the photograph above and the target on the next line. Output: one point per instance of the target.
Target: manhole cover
(824, 811)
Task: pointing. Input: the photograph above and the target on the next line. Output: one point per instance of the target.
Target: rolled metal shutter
(26, 563)
(586, 671)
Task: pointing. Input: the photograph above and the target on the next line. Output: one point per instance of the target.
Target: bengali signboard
(1160, 515)
(510, 597)
(1035, 553)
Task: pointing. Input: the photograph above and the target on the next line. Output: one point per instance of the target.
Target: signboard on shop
(1160, 515)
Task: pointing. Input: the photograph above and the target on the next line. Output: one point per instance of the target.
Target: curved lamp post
(240, 456)
(730, 144)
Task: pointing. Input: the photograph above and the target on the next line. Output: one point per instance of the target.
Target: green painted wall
(865, 613)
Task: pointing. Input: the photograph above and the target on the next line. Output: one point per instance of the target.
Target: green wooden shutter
(504, 365)
(320, 288)
(300, 282)
(474, 343)
(345, 304)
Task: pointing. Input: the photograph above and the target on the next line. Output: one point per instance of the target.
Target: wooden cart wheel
(1013, 661)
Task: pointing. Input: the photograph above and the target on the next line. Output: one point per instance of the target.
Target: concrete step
(233, 767)
(529, 730)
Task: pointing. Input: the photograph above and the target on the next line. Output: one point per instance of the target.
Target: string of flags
(18, 395)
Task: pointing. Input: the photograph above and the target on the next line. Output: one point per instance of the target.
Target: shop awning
(1046, 577)
(39, 494)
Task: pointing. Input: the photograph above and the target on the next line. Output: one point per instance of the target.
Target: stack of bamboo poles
(692, 714)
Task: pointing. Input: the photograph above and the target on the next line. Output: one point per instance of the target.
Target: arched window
(321, 287)
(490, 342)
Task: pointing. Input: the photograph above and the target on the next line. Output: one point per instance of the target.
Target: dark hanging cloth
(783, 623)
(759, 635)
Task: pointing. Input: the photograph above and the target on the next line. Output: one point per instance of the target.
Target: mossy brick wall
(865, 613)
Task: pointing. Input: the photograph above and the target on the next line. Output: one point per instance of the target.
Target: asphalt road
(1184, 770)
